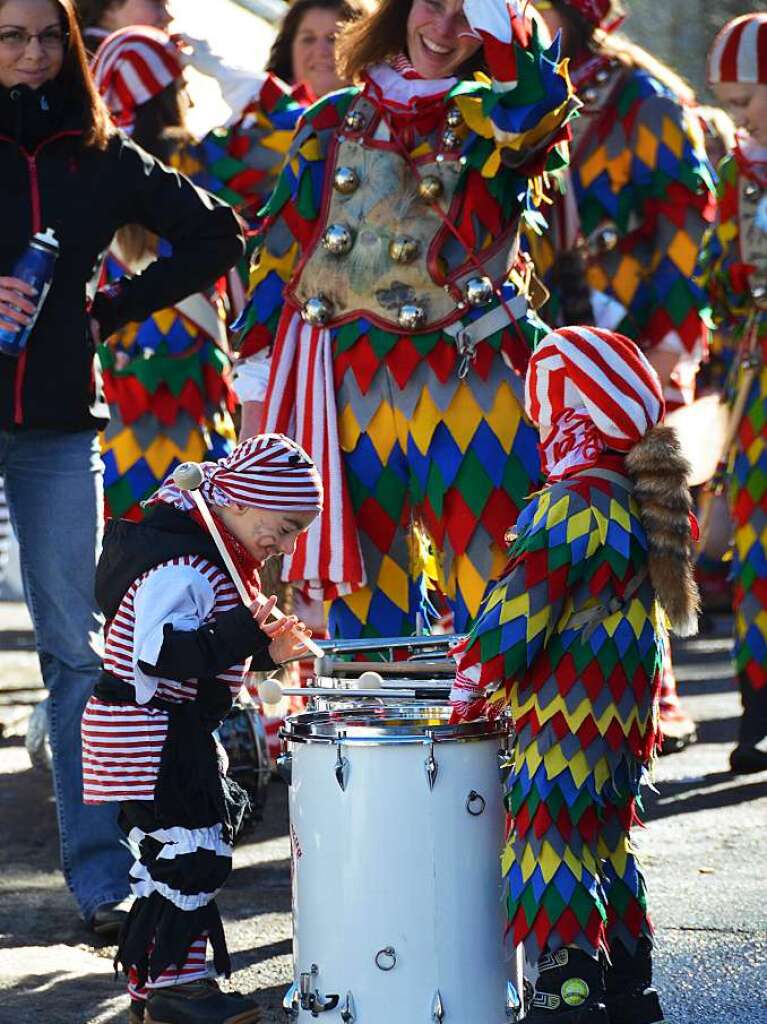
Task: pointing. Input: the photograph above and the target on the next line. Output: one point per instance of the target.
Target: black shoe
(748, 760)
(629, 995)
(199, 1002)
(569, 990)
(109, 918)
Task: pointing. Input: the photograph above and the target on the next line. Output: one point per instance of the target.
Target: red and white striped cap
(739, 53)
(132, 66)
(595, 11)
(587, 390)
(267, 471)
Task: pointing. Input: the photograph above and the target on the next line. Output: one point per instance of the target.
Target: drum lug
(513, 1002)
(285, 767)
(291, 1003)
(349, 1010)
(430, 764)
(437, 1008)
(342, 769)
(312, 1000)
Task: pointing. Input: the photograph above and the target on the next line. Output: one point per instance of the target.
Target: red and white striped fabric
(301, 402)
(193, 968)
(739, 53)
(132, 66)
(122, 743)
(267, 471)
(587, 390)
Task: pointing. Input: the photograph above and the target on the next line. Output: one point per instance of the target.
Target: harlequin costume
(570, 642)
(167, 379)
(734, 265)
(398, 336)
(638, 200)
(178, 644)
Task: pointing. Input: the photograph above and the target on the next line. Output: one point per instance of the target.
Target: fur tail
(660, 473)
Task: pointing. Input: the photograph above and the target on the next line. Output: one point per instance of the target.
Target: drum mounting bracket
(311, 1000)
(430, 764)
(341, 769)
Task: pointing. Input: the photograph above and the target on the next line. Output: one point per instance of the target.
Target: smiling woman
(63, 167)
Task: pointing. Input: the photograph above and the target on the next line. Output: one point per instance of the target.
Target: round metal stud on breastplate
(430, 187)
(354, 121)
(337, 239)
(454, 118)
(450, 140)
(403, 249)
(751, 190)
(411, 317)
(317, 311)
(479, 291)
(346, 180)
(590, 96)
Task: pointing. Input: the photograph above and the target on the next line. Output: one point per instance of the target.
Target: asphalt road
(704, 852)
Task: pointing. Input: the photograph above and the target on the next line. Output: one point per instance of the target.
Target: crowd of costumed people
(413, 319)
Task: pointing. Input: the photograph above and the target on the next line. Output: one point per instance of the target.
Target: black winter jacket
(50, 179)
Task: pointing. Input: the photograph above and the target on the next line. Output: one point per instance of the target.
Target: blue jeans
(53, 484)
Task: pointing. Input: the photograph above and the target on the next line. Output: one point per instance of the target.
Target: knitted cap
(132, 66)
(739, 53)
(587, 390)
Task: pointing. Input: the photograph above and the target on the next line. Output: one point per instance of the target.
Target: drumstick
(188, 477)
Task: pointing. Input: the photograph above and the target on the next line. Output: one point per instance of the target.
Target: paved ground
(704, 851)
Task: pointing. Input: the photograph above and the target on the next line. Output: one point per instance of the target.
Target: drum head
(701, 429)
(414, 722)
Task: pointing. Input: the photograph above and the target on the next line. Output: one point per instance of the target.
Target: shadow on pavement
(701, 798)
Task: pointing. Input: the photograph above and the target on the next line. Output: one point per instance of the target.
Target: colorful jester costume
(570, 641)
(734, 267)
(398, 335)
(166, 379)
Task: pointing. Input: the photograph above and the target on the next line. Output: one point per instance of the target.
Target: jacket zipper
(34, 185)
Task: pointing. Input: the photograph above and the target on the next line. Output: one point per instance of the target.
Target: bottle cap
(48, 239)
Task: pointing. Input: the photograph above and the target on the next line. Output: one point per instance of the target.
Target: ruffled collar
(398, 86)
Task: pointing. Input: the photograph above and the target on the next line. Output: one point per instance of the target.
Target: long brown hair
(579, 36)
(383, 34)
(92, 11)
(280, 61)
(76, 80)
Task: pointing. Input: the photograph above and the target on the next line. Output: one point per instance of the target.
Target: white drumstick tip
(370, 681)
(269, 691)
(188, 476)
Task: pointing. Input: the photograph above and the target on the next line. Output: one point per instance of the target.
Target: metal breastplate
(376, 251)
(752, 224)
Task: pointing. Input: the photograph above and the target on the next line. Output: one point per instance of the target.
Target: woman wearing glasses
(63, 167)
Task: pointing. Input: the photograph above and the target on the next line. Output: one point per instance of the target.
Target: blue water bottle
(35, 266)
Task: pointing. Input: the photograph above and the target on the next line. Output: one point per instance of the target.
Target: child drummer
(570, 641)
(178, 643)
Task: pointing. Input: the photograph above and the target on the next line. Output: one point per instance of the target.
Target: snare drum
(396, 827)
(243, 737)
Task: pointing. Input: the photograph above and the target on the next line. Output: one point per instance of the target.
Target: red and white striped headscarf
(267, 471)
(587, 390)
(132, 66)
(739, 53)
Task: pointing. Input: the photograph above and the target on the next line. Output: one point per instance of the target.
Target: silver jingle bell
(354, 121)
(606, 239)
(411, 317)
(317, 311)
(601, 76)
(454, 118)
(759, 292)
(479, 291)
(403, 249)
(751, 190)
(590, 96)
(337, 239)
(346, 180)
(450, 140)
(430, 187)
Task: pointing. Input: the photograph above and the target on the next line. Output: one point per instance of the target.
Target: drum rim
(301, 728)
